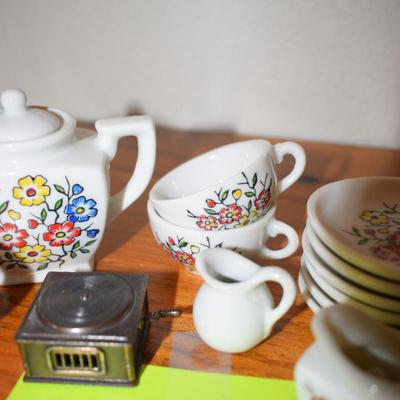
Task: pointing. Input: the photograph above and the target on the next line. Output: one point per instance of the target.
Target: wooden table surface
(128, 245)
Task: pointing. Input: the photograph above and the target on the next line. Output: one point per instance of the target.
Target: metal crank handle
(155, 316)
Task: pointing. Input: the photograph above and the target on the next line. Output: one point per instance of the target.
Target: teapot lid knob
(13, 100)
(18, 122)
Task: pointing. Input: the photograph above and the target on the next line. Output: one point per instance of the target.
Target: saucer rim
(344, 285)
(345, 248)
(351, 272)
(338, 297)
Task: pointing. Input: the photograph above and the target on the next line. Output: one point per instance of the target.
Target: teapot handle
(109, 132)
(275, 228)
(279, 151)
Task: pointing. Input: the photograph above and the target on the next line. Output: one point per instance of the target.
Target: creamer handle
(279, 275)
(109, 132)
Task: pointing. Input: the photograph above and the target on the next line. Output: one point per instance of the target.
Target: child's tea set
(224, 198)
(354, 357)
(54, 193)
(234, 310)
(208, 214)
(226, 188)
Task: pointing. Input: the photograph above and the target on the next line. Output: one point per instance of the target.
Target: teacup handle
(279, 275)
(280, 150)
(275, 228)
(110, 131)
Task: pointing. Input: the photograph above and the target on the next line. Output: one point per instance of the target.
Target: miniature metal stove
(86, 327)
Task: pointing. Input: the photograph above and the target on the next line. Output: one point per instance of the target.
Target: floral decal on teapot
(45, 224)
(235, 208)
(184, 252)
(381, 232)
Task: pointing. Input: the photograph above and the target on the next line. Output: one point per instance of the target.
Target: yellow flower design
(374, 217)
(254, 215)
(237, 194)
(14, 215)
(243, 221)
(384, 231)
(31, 191)
(33, 254)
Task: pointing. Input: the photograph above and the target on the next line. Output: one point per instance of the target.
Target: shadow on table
(13, 295)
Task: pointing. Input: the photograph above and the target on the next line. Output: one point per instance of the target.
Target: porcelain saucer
(359, 219)
(316, 265)
(349, 271)
(315, 291)
(308, 298)
(327, 295)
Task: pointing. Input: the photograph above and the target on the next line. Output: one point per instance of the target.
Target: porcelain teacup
(354, 350)
(185, 244)
(227, 187)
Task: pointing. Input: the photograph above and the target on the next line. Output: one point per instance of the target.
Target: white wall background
(319, 70)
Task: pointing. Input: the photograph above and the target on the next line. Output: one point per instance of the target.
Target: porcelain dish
(55, 194)
(307, 296)
(227, 187)
(307, 284)
(354, 357)
(317, 266)
(234, 311)
(359, 219)
(349, 271)
(184, 244)
(327, 295)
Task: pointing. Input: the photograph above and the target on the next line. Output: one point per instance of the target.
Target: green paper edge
(164, 383)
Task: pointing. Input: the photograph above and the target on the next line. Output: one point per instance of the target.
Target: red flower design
(207, 223)
(263, 199)
(230, 214)
(386, 252)
(394, 239)
(184, 258)
(32, 223)
(59, 235)
(171, 241)
(211, 203)
(10, 236)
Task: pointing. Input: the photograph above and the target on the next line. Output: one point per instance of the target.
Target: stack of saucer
(224, 198)
(351, 247)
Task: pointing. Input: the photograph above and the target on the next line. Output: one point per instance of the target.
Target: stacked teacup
(224, 198)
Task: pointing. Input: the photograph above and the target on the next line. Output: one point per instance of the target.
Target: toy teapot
(355, 357)
(234, 311)
(54, 186)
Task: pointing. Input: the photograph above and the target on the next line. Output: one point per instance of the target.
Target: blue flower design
(81, 209)
(76, 189)
(92, 233)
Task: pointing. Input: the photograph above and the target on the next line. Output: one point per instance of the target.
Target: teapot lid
(18, 122)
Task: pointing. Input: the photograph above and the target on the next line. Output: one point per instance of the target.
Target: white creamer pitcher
(54, 186)
(234, 311)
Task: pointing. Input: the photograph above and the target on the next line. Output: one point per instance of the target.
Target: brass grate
(69, 360)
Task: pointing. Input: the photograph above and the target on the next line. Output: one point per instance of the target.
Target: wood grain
(128, 245)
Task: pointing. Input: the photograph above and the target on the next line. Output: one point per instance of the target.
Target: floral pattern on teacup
(235, 208)
(381, 232)
(184, 252)
(45, 224)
